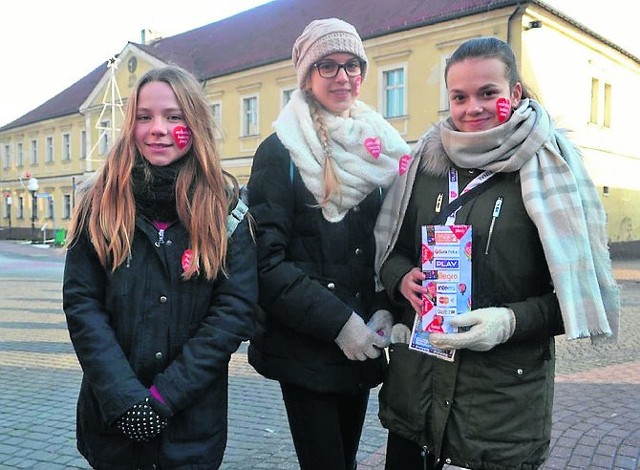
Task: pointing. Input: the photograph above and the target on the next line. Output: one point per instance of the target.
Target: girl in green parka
(540, 267)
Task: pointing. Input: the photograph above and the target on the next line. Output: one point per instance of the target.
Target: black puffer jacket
(142, 325)
(312, 274)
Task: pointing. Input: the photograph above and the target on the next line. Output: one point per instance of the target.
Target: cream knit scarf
(558, 194)
(365, 150)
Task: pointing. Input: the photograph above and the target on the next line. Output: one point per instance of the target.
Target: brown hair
(488, 47)
(204, 192)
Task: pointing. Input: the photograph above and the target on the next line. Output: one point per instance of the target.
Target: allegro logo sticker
(449, 276)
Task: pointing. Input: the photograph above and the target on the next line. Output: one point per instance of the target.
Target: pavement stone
(596, 419)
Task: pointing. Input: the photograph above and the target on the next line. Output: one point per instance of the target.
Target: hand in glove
(141, 423)
(489, 327)
(381, 322)
(400, 333)
(359, 342)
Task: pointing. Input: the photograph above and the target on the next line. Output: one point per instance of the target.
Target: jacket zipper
(496, 213)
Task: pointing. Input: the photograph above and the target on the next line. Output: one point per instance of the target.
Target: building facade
(244, 65)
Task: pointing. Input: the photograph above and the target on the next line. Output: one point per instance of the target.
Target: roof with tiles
(265, 35)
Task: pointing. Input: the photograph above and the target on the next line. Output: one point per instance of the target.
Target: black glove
(141, 423)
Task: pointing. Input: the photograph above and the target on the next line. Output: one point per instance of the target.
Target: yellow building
(583, 79)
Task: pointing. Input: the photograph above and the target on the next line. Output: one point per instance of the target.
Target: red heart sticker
(182, 136)
(187, 258)
(503, 108)
(459, 230)
(403, 164)
(357, 82)
(373, 146)
(467, 250)
(427, 254)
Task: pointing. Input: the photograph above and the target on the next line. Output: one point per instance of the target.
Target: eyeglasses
(330, 69)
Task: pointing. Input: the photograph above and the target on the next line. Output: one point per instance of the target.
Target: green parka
(489, 410)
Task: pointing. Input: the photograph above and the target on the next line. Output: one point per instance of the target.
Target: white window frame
(49, 208)
(66, 206)
(285, 95)
(246, 129)
(34, 151)
(66, 147)
(384, 89)
(444, 95)
(49, 157)
(83, 144)
(19, 155)
(20, 208)
(217, 118)
(6, 158)
(104, 137)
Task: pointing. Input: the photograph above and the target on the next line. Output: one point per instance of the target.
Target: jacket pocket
(404, 398)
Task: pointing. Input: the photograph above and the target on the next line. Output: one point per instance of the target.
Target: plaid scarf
(558, 195)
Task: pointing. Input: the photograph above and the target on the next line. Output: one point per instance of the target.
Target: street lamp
(32, 186)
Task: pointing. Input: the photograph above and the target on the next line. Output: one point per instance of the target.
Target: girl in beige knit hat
(315, 191)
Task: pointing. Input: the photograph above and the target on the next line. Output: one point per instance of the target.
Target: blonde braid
(331, 180)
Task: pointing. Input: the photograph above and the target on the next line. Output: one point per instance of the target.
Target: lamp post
(32, 186)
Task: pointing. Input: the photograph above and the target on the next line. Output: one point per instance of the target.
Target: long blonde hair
(331, 181)
(204, 192)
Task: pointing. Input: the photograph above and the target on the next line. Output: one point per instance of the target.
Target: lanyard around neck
(453, 188)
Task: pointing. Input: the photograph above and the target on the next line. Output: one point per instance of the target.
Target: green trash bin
(60, 235)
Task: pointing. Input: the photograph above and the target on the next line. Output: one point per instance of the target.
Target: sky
(47, 45)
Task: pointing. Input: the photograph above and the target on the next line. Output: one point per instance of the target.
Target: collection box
(446, 262)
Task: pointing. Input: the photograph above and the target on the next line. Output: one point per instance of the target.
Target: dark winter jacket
(312, 274)
(143, 325)
(489, 410)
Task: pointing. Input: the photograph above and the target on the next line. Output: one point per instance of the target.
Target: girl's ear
(516, 95)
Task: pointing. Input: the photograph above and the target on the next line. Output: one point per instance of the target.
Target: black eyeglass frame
(361, 63)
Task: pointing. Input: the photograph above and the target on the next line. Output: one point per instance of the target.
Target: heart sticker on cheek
(182, 136)
(503, 108)
(357, 82)
(403, 164)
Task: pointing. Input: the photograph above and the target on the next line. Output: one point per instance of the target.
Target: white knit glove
(400, 333)
(359, 342)
(489, 327)
(381, 322)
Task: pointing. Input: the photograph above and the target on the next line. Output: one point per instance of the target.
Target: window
(66, 206)
(286, 97)
(6, 161)
(216, 111)
(49, 150)
(49, 208)
(444, 94)
(83, 144)
(606, 120)
(7, 205)
(394, 92)
(20, 209)
(66, 147)
(104, 137)
(20, 155)
(595, 98)
(250, 116)
(601, 101)
(34, 152)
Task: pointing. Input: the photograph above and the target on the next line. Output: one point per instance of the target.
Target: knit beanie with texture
(321, 38)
